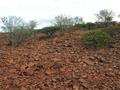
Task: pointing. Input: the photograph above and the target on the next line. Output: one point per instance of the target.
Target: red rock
(89, 62)
(23, 88)
(12, 70)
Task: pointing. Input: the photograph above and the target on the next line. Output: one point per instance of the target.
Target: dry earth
(59, 62)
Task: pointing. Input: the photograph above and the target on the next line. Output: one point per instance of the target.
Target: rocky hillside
(59, 63)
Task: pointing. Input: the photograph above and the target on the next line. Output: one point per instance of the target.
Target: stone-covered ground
(59, 62)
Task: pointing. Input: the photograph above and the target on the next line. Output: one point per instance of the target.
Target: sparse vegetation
(113, 30)
(19, 36)
(17, 29)
(66, 22)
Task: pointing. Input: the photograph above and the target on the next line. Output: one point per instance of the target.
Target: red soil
(42, 64)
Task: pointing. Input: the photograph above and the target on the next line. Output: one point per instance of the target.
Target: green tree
(105, 16)
(77, 20)
(62, 20)
(67, 22)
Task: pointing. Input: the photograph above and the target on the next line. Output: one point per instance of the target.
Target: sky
(45, 10)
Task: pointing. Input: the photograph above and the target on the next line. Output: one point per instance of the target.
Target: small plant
(97, 39)
(49, 31)
(19, 36)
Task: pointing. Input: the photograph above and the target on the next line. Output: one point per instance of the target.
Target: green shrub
(112, 30)
(86, 26)
(96, 39)
(49, 31)
(81, 26)
(90, 25)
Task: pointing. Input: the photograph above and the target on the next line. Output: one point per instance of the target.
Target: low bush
(19, 35)
(86, 26)
(112, 30)
(81, 26)
(90, 25)
(96, 39)
(49, 31)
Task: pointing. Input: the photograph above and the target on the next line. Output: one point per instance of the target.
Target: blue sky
(46, 10)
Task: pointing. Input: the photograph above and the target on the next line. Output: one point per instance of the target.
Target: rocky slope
(58, 63)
